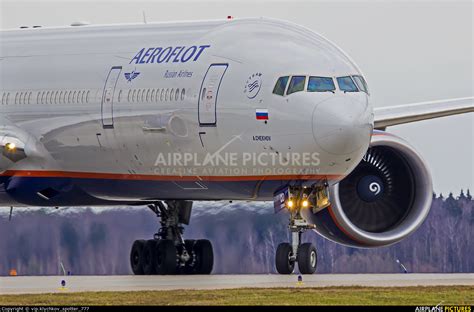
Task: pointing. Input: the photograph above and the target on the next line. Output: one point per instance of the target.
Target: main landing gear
(168, 252)
(288, 254)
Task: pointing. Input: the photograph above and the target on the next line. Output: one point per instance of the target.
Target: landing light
(10, 147)
(305, 203)
(290, 204)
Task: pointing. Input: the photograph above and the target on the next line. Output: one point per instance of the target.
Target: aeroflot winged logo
(178, 54)
(131, 76)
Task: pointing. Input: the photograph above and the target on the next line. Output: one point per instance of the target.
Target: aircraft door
(207, 102)
(108, 97)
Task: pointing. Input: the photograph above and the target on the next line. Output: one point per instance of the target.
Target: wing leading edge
(401, 114)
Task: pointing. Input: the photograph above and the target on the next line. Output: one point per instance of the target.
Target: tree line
(89, 241)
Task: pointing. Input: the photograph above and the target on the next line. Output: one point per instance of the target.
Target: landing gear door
(207, 102)
(107, 103)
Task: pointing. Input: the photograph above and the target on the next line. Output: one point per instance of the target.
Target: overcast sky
(409, 51)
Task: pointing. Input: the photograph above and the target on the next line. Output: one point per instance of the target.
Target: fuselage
(133, 113)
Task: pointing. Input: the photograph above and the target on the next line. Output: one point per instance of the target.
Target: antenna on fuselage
(144, 17)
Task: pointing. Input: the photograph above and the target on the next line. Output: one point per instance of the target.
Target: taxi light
(305, 203)
(10, 146)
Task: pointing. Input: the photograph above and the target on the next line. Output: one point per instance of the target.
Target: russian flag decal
(261, 114)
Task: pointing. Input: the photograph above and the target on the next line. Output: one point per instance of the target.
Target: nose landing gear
(295, 199)
(168, 252)
(288, 254)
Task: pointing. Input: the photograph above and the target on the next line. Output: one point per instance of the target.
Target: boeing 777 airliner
(165, 114)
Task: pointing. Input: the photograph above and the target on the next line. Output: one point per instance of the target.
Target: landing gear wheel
(149, 256)
(166, 258)
(189, 265)
(136, 255)
(307, 258)
(284, 264)
(204, 257)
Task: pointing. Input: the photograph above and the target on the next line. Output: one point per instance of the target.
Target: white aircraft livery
(165, 114)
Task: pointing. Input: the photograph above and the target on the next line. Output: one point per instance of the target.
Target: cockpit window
(321, 84)
(346, 84)
(280, 85)
(296, 84)
(360, 82)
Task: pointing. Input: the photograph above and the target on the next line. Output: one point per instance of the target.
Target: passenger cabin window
(360, 82)
(346, 84)
(296, 84)
(172, 95)
(280, 85)
(321, 84)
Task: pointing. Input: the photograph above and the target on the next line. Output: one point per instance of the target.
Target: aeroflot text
(177, 54)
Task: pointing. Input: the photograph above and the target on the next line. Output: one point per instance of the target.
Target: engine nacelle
(384, 199)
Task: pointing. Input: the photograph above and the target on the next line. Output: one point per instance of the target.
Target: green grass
(446, 295)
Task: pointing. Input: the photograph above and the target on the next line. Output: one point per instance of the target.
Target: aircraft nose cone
(341, 125)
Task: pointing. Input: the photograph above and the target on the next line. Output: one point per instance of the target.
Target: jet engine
(382, 201)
